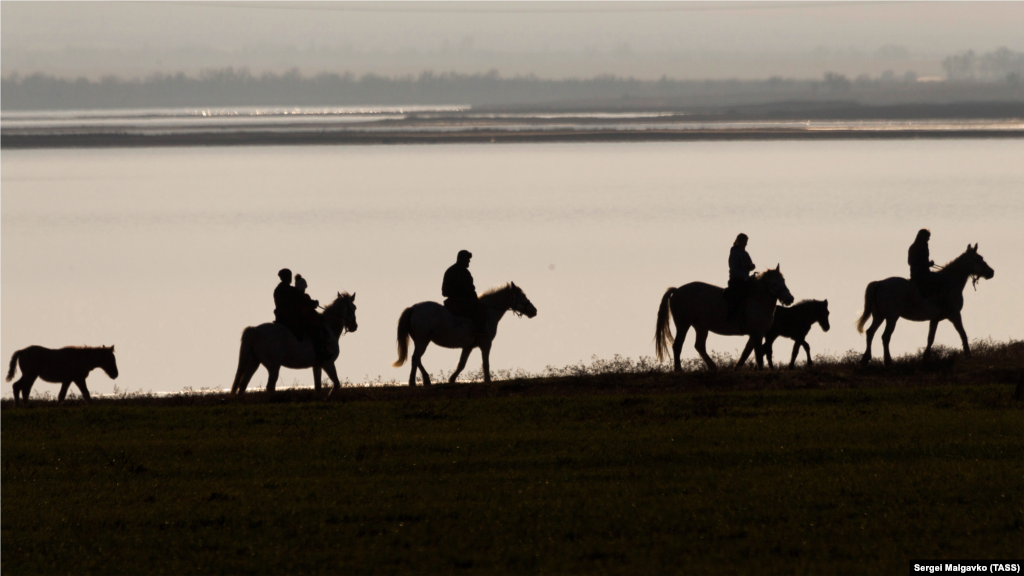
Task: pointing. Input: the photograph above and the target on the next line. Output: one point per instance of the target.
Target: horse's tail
(245, 357)
(869, 299)
(662, 333)
(403, 337)
(14, 365)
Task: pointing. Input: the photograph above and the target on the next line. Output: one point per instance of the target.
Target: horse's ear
(111, 347)
(513, 284)
(975, 246)
(826, 301)
(777, 267)
(353, 296)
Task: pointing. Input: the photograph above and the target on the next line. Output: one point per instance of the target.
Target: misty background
(645, 40)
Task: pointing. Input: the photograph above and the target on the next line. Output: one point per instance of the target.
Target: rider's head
(923, 235)
(285, 275)
(741, 240)
(463, 257)
(300, 283)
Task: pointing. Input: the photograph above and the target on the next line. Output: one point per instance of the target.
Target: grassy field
(837, 469)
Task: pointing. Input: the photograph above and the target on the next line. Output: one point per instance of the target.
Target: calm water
(169, 253)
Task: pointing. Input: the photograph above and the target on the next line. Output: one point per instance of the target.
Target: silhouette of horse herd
(696, 305)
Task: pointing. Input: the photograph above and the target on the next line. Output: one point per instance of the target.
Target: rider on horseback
(920, 264)
(296, 311)
(312, 321)
(460, 293)
(740, 267)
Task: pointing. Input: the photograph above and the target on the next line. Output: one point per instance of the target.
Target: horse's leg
(677, 346)
(272, 372)
(332, 373)
(701, 346)
(462, 364)
(876, 321)
(316, 378)
(63, 391)
(83, 389)
(796, 352)
(244, 378)
(890, 327)
(23, 385)
(768, 344)
(933, 324)
(759, 351)
(485, 351)
(958, 323)
(746, 353)
(417, 361)
(807, 348)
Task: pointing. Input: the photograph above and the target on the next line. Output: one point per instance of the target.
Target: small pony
(794, 323)
(62, 366)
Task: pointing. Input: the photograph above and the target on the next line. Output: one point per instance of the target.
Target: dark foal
(795, 322)
(62, 366)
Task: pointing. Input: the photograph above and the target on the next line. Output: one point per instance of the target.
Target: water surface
(169, 252)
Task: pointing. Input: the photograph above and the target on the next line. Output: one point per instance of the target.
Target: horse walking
(428, 322)
(894, 298)
(62, 366)
(704, 307)
(274, 346)
(795, 322)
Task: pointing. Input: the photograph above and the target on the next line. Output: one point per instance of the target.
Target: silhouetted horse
(705, 308)
(428, 322)
(895, 298)
(62, 366)
(274, 346)
(795, 322)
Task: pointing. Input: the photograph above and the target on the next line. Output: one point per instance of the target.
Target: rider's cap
(924, 232)
(284, 274)
(741, 237)
(465, 254)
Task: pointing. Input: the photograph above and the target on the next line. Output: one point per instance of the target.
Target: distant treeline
(1003, 64)
(230, 87)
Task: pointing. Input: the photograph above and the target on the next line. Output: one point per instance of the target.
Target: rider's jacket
(740, 264)
(458, 283)
(288, 308)
(918, 259)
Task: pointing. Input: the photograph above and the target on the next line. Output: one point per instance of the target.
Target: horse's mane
(497, 289)
(341, 296)
(807, 301)
(759, 275)
(88, 348)
(952, 262)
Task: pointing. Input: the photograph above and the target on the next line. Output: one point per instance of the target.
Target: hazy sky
(136, 38)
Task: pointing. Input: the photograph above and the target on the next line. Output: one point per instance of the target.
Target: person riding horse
(740, 267)
(296, 311)
(460, 293)
(920, 264)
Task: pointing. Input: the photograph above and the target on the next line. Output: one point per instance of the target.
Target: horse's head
(520, 303)
(976, 264)
(343, 311)
(108, 363)
(822, 315)
(775, 284)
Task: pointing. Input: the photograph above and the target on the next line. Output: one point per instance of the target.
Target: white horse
(274, 346)
(430, 322)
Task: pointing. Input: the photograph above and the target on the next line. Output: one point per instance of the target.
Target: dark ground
(612, 468)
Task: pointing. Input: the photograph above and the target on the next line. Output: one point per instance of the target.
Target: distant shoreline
(299, 138)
